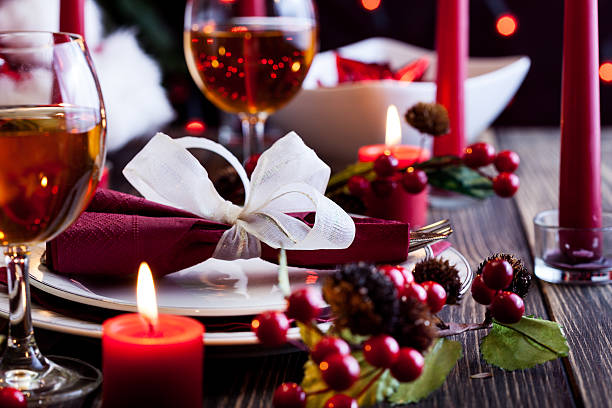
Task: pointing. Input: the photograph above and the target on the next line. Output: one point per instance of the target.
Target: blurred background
(497, 28)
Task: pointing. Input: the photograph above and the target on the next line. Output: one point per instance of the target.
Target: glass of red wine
(52, 149)
(250, 57)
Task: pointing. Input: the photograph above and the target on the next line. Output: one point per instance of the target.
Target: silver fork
(429, 234)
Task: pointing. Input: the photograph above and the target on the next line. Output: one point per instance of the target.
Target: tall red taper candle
(452, 46)
(72, 16)
(580, 178)
(254, 8)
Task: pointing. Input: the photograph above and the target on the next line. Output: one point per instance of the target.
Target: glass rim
(72, 37)
(539, 222)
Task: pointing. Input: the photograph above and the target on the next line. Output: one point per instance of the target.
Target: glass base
(65, 382)
(557, 274)
(449, 200)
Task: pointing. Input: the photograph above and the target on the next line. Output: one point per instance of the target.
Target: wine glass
(250, 57)
(52, 148)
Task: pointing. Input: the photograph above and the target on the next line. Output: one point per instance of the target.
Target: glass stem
(252, 133)
(21, 350)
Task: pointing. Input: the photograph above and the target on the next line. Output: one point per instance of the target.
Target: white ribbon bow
(289, 177)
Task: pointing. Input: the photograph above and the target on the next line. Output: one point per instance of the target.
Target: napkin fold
(118, 231)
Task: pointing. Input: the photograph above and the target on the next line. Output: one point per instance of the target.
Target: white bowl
(337, 119)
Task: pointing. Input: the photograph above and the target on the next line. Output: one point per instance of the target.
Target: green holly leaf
(310, 336)
(359, 168)
(438, 364)
(460, 179)
(525, 344)
(382, 387)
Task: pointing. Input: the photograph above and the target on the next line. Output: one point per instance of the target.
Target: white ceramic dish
(337, 119)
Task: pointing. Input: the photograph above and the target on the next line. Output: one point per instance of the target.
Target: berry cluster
(481, 154)
(493, 287)
(370, 301)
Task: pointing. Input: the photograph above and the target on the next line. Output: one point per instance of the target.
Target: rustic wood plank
(584, 311)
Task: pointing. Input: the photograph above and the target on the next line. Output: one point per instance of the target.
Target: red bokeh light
(506, 25)
(370, 4)
(195, 126)
(605, 71)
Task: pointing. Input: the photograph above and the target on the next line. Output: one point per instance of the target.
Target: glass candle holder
(572, 255)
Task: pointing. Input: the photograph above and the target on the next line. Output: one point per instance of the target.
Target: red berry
(358, 186)
(416, 291)
(384, 187)
(414, 180)
(497, 274)
(507, 161)
(340, 371)
(506, 184)
(271, 328)
(409, 365)
(304, 305)
(381, 351)
(436, 295)
(507, 307)
(478, 155)
(327, 346)
(385, 165)
(395, 275)
(12, 398)
(341, 401)
(408, 277)
(481, 292)
(289, 395)
(250, 164)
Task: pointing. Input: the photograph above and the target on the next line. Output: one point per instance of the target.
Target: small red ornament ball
(341, 401)
(250, 164)
(271, 328)
(395, 275)
(12, 398)
(478, 155)
(289, 395)
(328, 346)
(409, 365)
(436, 295)
(304, 305)
(358, 186)
(384, 187)
(414, 181)
(481, 292)
(507, 307)
(506, 184)
(340, 371)
(385, 165)
(381, 351)
(415, 291)
(497, 274)
(507, 161)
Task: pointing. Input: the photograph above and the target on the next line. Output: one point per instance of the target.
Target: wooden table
(497, 224)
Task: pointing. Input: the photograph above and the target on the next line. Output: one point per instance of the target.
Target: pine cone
(362, 299)
(430, 118)
(522, 277)
(441, 271)
(415, 327)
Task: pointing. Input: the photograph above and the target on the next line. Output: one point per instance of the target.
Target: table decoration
(387, 344)
(149, 359)
(350, 70)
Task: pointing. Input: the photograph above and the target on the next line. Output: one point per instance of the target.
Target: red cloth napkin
(118, 231)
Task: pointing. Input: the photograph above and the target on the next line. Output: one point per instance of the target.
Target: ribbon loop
(289, 177)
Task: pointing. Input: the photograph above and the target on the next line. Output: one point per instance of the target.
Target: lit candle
(399, 205)
(72, 18)
(150, 360)
(580, 178)
(452, 49)
(405, 154)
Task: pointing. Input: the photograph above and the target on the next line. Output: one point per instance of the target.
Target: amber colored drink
(256, 65)
(50, 159)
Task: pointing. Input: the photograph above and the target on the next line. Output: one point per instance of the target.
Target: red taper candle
(452, 47)
(253, 8)
(72, 16)
(580, 178)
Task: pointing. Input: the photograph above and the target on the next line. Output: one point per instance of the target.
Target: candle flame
(145, 295)
(394, 127)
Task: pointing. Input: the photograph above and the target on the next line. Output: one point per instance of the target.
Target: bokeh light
(605, 71)
(506, 25)
(370, 4)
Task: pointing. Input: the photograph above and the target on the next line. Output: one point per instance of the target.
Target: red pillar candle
(580, 179)
(72, 16)
(151, 361)
(452, 48)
